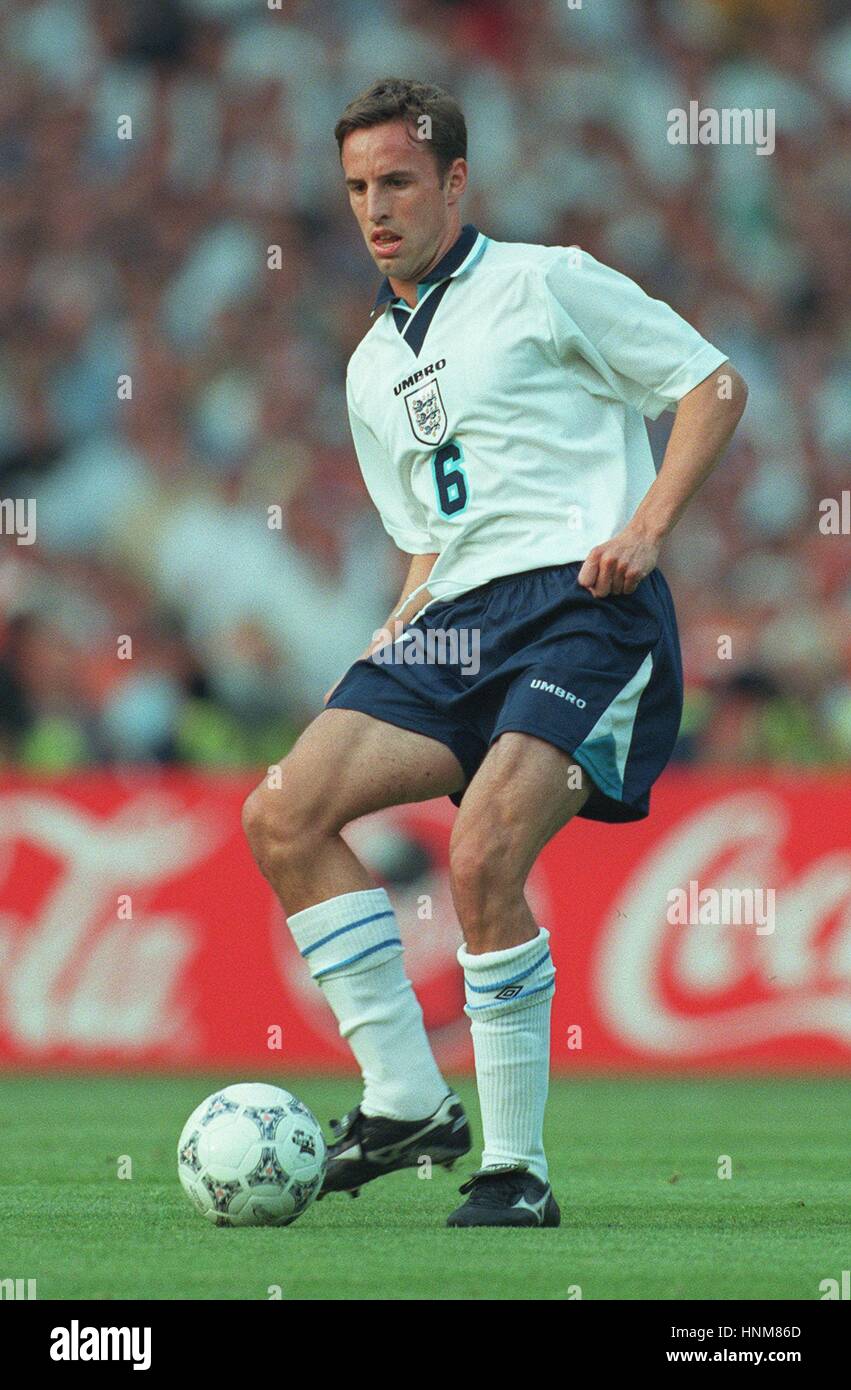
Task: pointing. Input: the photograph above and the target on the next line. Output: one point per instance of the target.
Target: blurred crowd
(171, 389)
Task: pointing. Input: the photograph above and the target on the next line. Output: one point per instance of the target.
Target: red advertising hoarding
(136, 932)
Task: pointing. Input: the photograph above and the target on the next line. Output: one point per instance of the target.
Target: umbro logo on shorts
(557, 690)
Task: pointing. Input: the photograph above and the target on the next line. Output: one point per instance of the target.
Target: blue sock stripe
(350, 926)
(486, 989)
(370, 950)
(510, 1003)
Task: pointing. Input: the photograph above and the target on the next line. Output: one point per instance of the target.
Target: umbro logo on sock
(510, 992)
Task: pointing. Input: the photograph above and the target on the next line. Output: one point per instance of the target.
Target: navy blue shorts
(600, 678)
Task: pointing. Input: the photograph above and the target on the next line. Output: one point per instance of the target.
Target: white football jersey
(499, 422)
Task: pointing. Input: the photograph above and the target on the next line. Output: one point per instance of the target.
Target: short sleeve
(652, 355)
(384, 486)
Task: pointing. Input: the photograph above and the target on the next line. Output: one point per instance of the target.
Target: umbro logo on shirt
(557, 690)
(419, 376)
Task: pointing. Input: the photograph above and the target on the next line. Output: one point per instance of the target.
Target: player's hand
(619, 566)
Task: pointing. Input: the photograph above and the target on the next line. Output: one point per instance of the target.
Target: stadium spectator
(177, 309)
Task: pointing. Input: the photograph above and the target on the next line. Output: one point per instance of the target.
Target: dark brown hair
(401, 99)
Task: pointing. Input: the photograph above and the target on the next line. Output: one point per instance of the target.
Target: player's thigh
(523, 793)
(347, 764)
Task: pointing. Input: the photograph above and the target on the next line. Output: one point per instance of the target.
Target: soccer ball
(251, 1155)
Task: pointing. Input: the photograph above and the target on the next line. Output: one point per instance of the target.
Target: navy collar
(445, 268)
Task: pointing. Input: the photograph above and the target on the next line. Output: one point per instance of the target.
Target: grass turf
(633, 1162)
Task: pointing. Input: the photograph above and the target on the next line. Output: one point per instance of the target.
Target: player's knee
(254, 818)
(279, 827)
(481, 865)
(259, 822)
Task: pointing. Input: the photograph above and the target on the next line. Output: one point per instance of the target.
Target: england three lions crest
(426, 413)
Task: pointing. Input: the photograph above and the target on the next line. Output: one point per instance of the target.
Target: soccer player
(496, 407)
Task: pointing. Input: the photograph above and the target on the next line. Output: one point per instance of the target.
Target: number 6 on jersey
(450, 479)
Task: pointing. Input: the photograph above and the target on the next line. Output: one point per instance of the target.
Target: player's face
(407, 217)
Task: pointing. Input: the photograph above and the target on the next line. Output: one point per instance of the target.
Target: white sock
(353, 948)
(509, 998)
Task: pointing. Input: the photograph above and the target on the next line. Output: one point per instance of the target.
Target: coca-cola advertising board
(136, 932)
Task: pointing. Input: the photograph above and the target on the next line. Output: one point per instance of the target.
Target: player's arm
(400, 522)
(405, 607)
(653, 360)
(705, 420)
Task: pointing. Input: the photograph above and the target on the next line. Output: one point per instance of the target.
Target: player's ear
(455, 181)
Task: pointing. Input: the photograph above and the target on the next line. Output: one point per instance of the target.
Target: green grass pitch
(634, 1164)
